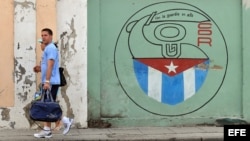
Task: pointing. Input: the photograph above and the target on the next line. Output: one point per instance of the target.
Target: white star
(171, 67)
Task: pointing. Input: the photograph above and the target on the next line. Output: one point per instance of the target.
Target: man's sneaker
(43, 134)
(67, 124)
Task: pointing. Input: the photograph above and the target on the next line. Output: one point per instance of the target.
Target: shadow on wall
(98, 124)
(230, 121)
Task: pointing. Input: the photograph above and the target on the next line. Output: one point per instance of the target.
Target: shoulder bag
(62, 77)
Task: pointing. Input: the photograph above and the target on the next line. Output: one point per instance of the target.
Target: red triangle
(171, 66)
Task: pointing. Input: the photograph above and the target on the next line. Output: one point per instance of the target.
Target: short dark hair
(48, 30)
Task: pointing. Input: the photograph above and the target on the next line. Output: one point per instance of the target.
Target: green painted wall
(167, 63)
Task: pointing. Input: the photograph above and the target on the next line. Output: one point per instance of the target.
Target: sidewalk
(199, 133)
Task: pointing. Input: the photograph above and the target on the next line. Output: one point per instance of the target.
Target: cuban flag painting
(170, 80)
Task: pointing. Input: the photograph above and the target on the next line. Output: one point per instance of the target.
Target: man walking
(50, 78)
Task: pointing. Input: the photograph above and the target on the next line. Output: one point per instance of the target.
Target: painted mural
(169, 50)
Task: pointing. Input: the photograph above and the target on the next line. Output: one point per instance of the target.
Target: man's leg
(46, 132)
(67, 122)
(58, 125)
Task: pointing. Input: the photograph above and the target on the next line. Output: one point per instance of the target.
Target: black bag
(62, 77)
(45, 110)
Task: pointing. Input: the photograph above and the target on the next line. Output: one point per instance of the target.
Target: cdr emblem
(170, 54)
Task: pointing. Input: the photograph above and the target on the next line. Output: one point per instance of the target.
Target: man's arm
(48, 73)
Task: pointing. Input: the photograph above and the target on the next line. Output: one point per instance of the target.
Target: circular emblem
(167, 57)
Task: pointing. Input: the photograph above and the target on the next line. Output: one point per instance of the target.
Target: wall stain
(12, 124)
(63, 34)
(24, 5)
(19, 71)
(92, 123)
(28, 81)
(216, 67)
(65, 97)
(26, 114)
(73, 34)
(18, 46)
(16, 59)
(5, 114)
(26, 89)
(203, 66)
(22, 96)
(30, 48)
(67, 51)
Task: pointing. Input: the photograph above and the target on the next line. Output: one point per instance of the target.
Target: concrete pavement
(197, 133)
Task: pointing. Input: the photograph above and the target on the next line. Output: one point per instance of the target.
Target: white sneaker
(67, 124)
(43, 134)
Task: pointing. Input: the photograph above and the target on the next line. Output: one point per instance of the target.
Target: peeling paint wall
(70, 31)
(25, 58)
(72, 36)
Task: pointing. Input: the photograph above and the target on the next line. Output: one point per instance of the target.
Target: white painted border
(73, 22)
(25, 56)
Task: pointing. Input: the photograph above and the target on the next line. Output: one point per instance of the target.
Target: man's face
(46, 37)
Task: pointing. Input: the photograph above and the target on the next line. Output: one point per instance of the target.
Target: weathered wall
(164, 63)
(21, 23)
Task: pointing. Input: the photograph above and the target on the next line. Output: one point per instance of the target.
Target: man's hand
(46, 86)
(37, 69)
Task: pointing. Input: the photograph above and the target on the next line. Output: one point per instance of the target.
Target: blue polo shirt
(50, 52)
